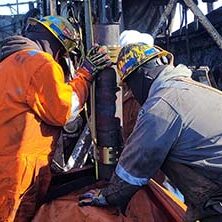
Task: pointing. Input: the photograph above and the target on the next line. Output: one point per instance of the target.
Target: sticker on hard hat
(57, 31)
(129, 64)
(150, 51)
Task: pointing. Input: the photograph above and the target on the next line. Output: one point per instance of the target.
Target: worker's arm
(56, 102)
(157, 130)
(51, 98)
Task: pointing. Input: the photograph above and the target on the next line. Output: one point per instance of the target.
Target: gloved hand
(93, 198)
(96, 59)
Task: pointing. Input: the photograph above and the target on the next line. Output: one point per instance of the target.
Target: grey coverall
(180, 122)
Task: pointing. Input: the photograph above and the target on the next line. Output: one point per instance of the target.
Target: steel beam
(13, 4)
(164, 17)
(205, 22)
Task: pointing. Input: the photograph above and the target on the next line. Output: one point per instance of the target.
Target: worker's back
(26, 140)
(200, 141)
(17, 98)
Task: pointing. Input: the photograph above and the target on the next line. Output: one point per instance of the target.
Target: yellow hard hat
(62, 29)
(132, 56)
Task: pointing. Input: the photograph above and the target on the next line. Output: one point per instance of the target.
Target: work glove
(93, 198)
(97, 59)
(118, 193)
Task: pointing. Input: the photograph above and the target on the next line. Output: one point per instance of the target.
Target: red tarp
(151, 204)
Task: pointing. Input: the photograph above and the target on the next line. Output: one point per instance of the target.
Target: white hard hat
(133, 37)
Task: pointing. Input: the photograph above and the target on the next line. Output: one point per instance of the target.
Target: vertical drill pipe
(164, 17)
(205, 22)
(108, 113)
(108, 126)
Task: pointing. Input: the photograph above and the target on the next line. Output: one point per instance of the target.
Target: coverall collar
(170, 72)
(15, 43)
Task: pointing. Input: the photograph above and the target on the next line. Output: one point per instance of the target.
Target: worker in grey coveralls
(178, 130)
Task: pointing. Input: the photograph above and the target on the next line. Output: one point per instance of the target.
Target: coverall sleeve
(53, 100)
(157, 130)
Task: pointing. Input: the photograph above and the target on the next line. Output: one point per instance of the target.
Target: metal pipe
(103, 16)
(109, 140)
(13, 4)
(210, 7)
(187, 37)
(17, 7)
(40, 7)
(88, 24)
(164, 17)
(63, 8)
(205, 22)
(46, 7)
(53, 7)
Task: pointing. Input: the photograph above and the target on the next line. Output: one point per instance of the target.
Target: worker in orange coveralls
(35, 101)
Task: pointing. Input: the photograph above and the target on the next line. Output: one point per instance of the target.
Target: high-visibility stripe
(124, 175)
(74, 107)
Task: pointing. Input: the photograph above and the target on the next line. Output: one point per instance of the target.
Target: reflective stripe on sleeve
(124, 175)
(74, 107)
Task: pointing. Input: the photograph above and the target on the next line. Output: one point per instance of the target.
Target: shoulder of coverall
(166, 90)
(166, 78)
(154, 103)
(33, 58)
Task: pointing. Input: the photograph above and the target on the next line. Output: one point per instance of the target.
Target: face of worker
(140, 84)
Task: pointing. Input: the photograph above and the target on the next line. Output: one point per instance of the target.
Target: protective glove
(93, 198)
(96, 59)
(118, 193)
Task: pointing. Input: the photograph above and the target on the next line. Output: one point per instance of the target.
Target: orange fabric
(80, 85)
(150, 204)
(32, 89)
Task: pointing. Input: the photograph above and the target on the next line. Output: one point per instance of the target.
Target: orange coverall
(34, 101)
